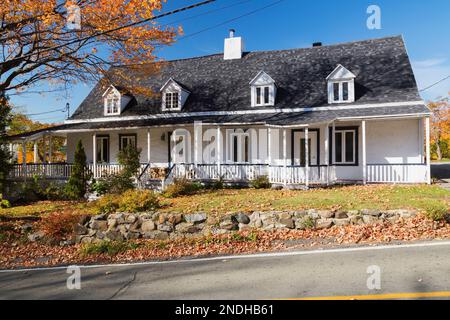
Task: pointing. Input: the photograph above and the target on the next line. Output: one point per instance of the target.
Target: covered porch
(366, 150)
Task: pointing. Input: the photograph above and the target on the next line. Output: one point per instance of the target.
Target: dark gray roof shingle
(382, 68)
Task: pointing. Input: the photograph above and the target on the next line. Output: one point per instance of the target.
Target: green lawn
(353, 197)
(248, 200)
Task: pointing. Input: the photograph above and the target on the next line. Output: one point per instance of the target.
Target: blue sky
(425, 26)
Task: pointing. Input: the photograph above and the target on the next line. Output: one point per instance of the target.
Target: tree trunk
(438, 150)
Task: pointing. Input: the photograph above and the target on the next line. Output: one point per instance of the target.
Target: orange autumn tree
(440, 127)
(38, 41)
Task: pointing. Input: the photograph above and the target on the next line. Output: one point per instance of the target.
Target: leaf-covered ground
(25, 254)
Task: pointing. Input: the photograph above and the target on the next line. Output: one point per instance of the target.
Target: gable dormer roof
(261, 79)
(172, 82)
(341, 73)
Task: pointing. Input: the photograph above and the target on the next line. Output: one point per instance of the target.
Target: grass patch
(382, 197)
(110, 248)
(43, 207)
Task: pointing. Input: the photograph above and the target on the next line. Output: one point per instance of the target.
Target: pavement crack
(124, 287)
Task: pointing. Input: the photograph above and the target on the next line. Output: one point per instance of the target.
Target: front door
(299, 148)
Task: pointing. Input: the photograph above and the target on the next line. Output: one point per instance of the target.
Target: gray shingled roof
(276, 119)
(382, 68)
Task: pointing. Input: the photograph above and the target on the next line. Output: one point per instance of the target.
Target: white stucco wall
(388, 142)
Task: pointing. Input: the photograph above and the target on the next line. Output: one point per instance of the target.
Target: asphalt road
(416, 268)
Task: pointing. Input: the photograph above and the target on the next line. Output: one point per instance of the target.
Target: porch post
(148, 146)
(364, 151)
(285, 157)
(198, 133)
(327, 153)
(94, 154)
(35, 152)
(333, 146)
(307, 156)
(269, 153)
(24, 159)
(219, 153)
(50, 149)
(428, 155)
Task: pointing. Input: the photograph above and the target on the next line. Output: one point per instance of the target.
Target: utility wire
(113, 30)
(231, 20)
(46, 112)
(434, 84)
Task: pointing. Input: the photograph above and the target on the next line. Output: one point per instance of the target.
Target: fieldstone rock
(132, 235)
(113, 235)
(80, 229)
(326, 214)
(175, 218)
(288, 223)
(313, 213)
(99, 225)
(352, 213)
(393, 219)
(147, 226)
(99, 217)
(165, 227)
(340, 214)
(407, 213)
(305, 223)
(242, 218)
(161, 219)
(356, 219)
(36, 236)
(300, 214)
(156, 235)
(186, 227)
(229, 223)
(371, 212)
(370, 219)
(285, 215)
(342, 222)
(195, 217)
(119, 217)
(123, 228)
(323, 224)
(100, 235)
(112, 223)
(27, 227)
(87, 239)
(136, 226)
(130, 219)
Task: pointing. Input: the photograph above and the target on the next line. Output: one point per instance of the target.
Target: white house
(349, 112)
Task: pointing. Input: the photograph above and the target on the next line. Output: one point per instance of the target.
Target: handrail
(143, 171)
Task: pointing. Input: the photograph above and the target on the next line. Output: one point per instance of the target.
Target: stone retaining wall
(155, 225)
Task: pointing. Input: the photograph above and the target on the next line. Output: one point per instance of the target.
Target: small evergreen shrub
(182, 187)
(76, 186)
(261, 182)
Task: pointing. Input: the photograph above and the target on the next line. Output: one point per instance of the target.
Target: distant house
(348, 112)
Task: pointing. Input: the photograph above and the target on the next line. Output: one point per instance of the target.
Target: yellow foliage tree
(39, 41)
(440, 124)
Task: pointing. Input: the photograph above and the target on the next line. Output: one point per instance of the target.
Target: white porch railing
(396, 173)
(297, 174)
(229, 172)
(47, 170)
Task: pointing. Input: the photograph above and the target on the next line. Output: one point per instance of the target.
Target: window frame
(127, 135)
(171, 104)
(242, 147)
(111, 97)
(259, 95)
(332, 157)
(100, 146)
(340, 97)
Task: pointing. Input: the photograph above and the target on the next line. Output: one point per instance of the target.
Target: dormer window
(112, 104)
(115, 100)
(172, 102)
(263, 90)
(173, 96)
(341, 86)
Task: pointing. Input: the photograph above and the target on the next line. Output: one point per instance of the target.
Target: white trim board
(243, 112)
